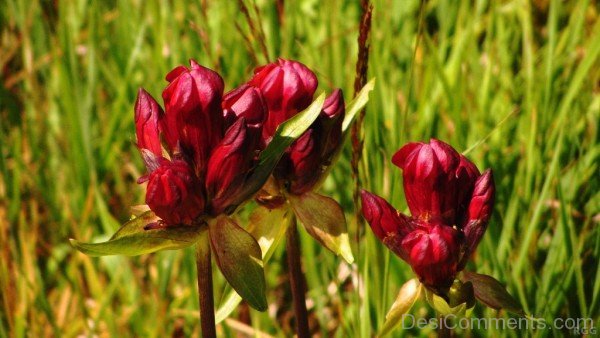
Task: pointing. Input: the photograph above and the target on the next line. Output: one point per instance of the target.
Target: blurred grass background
(517, 83)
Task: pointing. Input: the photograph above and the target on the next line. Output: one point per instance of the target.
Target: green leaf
(132, 239)
(460, 293)
(442, 307)
(490, 292)
(285, 135)
(232, 300)
(357, 104)
(238, 256)
(268, 227)
(409, 292)
(324, 220)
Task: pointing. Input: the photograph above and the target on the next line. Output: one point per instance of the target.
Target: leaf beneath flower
(409, 292)
(286, 134)
(268, 227)
(132, 239)
(324, 220)
(493, 294)
(238, 256)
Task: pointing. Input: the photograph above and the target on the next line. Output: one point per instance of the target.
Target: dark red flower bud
(334, 106)
(466, 175)
(482, 200)
(433, 252)
(437, 180)
(247, 102)
(479, 212)
(173, 193)
(147, 116)
(383, 218)
(307, 158)
(389, 225)
(288, 88)
(194, 118)
(228, 166)
(330, 122)
(301, 165)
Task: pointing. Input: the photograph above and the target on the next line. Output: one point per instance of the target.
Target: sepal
(491, 293)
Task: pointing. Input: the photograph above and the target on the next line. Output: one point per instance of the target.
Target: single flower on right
(450, 203)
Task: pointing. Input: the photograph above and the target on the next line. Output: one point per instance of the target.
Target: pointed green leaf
(238, 256)
(132, 239)
(232, 300)
(285, 135)
(490, 292)
(442, 307)
(324, 220)
(357, 104)
(268, 227)
(409, 292)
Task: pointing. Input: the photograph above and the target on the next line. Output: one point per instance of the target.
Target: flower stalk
(205, 287)
(297, 279)
(443, 330)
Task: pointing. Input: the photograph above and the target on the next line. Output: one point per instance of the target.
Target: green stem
(205, 287)
(297, 279)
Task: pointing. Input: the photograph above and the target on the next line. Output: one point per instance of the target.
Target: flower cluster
(211, 143)
(288, 88)
(212, 140)
(450, 203)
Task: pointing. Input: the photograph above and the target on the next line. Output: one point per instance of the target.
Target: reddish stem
(443, 330)
(297, 279)
(205, 287)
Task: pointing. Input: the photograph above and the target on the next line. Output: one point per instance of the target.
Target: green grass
(516, 83)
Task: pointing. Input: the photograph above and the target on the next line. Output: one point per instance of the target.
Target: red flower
(432, 250)
(194, 118)
(299, 167)
(288, 88)
(330, 124)
(147, 116)
(209, 152)
(302, 166)
(450, 204)
(247, 102)
(229, 165)
(172, 193)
